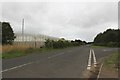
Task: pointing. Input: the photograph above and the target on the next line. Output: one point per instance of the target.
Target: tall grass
(11, 51)
(8, 48)
(21, 50)
(0, 48)
(112, 61)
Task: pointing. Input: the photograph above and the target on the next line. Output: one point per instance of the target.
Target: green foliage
(12, 54)
(62, 43)
(7, 33)
(110, 37)
(112, 59)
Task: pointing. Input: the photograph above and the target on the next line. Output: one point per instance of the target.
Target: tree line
(110, 38)
(8, 37)
(62, 43)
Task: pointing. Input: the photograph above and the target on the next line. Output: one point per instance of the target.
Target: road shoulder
(110, 66)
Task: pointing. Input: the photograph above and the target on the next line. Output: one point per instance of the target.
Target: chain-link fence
(30, 40)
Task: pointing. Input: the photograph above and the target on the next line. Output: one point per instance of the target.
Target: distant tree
(62, 39)
(7, 33)
(84, 42)
(62, 43)
(110, 37)
(98, 38)
(48, 43)
(79, 41)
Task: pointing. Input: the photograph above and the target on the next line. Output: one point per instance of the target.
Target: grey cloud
(69, 20)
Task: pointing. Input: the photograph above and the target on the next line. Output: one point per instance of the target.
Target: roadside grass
(11, 51)
(9, 48)
(93, 46)
(111, 62)
(12, 54)
(18, 51)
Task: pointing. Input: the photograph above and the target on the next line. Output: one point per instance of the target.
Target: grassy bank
(13, 51)
(18, 53)
(94, 46)
(111, 61)
(109, 68)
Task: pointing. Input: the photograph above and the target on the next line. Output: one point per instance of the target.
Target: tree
(7, 34)
(110, 37)
(78, 41)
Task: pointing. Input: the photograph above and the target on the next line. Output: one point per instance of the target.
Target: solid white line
(89, 61)
(99, 71)
(55, 55)
(94, 58)
(16, 67)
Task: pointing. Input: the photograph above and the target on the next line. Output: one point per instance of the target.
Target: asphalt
(66, 63)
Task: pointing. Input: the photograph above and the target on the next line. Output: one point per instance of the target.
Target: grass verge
(18, 53)
(12, 54)
(93, 46)
(111, 61)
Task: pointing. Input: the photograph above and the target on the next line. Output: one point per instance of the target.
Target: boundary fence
(30, 40)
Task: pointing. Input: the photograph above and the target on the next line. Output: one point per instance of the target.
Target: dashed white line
(16, 67)
(55, 55)
(27, 63)
(107, 50)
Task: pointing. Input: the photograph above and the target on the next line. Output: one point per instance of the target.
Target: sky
(69, 20)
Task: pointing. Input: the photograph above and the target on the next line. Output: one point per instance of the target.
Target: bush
(109, 44)
(62, 43)
(109, 38)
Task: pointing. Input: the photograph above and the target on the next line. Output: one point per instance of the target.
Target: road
(66, 63)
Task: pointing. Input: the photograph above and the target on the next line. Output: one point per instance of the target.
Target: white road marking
(27, 63)
(107, 50)
(89, 61)
(94, 58)
(16, 67)
(99, 71)
(55, 55)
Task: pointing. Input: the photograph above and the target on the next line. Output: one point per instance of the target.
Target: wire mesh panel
(36, 41)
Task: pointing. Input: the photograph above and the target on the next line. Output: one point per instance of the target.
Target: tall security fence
(30, 40)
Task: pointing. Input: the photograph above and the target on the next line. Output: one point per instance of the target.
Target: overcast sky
(71, 20)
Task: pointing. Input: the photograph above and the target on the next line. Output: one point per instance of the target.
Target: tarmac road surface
(66, 63)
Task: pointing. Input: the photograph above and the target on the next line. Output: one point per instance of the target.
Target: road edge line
(99, 71)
